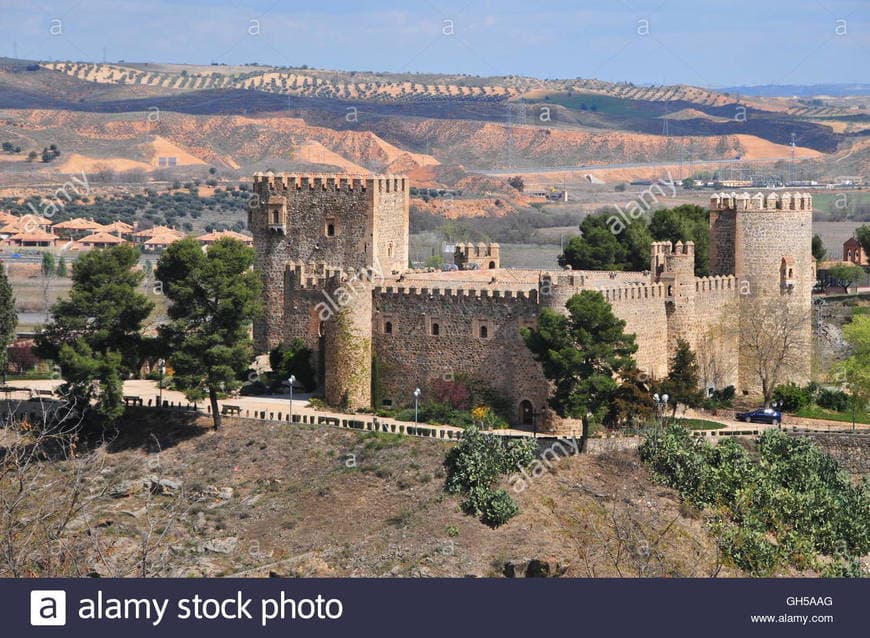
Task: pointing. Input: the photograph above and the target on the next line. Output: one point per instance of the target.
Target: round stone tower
(347, 336)
(767, 240)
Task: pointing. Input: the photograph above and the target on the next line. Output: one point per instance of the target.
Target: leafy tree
(596, 249)
(685, 223)
(846, 275)
(818, 247)
(8, 319)
(214, 298)
(581, 354)
(637, 239)
(631, 404)
(518, 183)
(61, 267)
(95, 333)
(682, 380)
(854, 371)
(47, 271)
(862, 234)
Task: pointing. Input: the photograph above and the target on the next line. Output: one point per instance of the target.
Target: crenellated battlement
(320, 276)
(760, 201)
(459, 294)
(636, 292)
(717, 283)
(665, 248)
(289, 183)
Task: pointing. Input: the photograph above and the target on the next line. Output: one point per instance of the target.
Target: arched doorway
(492, 265)
(527, 413)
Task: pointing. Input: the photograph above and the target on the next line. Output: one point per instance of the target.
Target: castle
(333, 254)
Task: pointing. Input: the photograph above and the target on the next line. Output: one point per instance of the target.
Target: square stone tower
(336, 222)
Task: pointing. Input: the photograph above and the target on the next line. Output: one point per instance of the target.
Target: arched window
(436, 330)
(491, 265)
(390, 249)
(484, 332)
(388, 327)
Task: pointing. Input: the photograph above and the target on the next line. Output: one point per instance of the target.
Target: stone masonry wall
(766, 238)
(852, 451)
(391, 222)
(412, 356)
(644, 312)
(324, 222)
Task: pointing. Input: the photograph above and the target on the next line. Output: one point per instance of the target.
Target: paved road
(280, 404)
(589, 167)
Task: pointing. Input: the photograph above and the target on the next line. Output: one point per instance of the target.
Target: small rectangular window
(330, 229)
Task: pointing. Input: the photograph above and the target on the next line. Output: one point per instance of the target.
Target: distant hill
(247, 118)
(800, 90)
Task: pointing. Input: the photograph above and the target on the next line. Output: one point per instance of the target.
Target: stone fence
(850, 449)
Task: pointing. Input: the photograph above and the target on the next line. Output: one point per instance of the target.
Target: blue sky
(708, 43)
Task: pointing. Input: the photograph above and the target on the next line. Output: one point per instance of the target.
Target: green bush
(723, 398)
(788, 507)
(836, 400)
(474, 466)
(499, 509)
(792, 396)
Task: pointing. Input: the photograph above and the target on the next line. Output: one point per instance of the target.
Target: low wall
(851, 450)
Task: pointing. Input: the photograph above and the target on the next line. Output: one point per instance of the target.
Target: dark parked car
(761, 415)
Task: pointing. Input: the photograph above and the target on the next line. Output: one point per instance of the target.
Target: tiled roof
(101, 238)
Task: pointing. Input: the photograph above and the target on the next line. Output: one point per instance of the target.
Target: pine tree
(8, 319)
(96, 333)
(582, 354)
(682, 380)
(214, 298)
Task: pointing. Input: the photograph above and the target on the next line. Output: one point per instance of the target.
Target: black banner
(433, 607)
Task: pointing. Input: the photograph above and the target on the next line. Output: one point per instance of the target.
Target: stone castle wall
(390, 208)
(347, 341)
(313, 237)
(332, 222)
(411, 353)
(645, 314)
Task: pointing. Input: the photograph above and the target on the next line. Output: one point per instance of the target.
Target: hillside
(249, 118)
(254, 499)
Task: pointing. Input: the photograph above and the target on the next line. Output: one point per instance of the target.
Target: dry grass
(308, 500)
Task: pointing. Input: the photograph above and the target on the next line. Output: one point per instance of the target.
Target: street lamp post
(416, 403)
(291, 381)
(661, 404)
(162, 364)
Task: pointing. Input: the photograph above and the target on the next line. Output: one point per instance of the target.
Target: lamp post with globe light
(661, 403)
(417, 394)
(290, 382)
